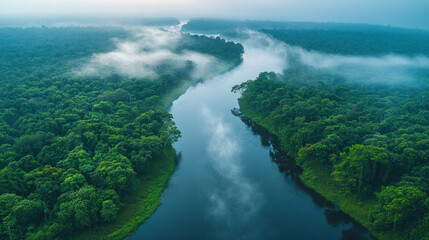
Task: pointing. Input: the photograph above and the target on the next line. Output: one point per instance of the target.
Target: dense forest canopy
(365, 138)
(221, 25)
(371, 139)
(335, 38)
(72, 147)
(37, 21)
(356, 41)
(51, 51)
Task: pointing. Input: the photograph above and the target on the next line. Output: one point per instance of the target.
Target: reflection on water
(232, 182)
(288, 167)
(235, 202)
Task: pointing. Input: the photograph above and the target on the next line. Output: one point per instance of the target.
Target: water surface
(230, 181)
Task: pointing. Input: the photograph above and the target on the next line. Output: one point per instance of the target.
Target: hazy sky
(404, 13)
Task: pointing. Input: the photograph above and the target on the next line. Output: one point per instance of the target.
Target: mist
(386, 69)
(400, 13)
(390, 69)
(142, 55)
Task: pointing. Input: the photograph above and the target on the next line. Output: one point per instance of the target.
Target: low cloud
(144, 54)
(387, 69)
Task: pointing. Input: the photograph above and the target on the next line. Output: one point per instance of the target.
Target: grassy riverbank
(318, 178)
(141, 203)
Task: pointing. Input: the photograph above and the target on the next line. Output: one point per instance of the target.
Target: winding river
(230, 181)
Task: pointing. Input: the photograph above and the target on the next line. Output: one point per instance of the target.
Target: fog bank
(386, 69)
(149, 52)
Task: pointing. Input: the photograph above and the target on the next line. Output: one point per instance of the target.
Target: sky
(400, 13)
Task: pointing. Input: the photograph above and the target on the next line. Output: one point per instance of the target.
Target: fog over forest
(139, 56)
(199, 119)
(400, 13)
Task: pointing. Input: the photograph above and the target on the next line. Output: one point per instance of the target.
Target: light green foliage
(79, 208)
(109, 211)
(76, 158)
(116, 174)
(71, 148)
(359, 168)
(12, 181)
(398, 208)
(7, 201)
(143, 151)
(73, 180)
(358, 139)
(27, 212)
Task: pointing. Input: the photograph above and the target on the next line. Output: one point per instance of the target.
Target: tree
(80, 207)
(7, 201)
(27, 212)
(362, 169)
(28, 163)
(109, 211)
(76, 158)
(409, 158)
(115, 172)
(73, 181)
(46, 182)
(12, 181)
(398, 207)
(241, 88)
(169, 132)
(143, 151)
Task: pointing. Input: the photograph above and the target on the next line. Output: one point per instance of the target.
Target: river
(230, 181)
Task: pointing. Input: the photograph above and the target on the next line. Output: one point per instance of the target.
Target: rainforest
(158, 128)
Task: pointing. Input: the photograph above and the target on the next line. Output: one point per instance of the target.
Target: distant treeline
(356, 41)
(84, 21)
(50, 51)
(72, 148)
(336, 38)
(220, 26)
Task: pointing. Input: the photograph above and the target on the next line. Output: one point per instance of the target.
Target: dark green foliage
(336, 38)
(365, 138)
(356, 41)
(109, 211)
(212, 46)
(362, 169)
(221, 25)
(71, 148)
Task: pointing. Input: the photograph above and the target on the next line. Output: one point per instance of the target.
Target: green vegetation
(138, 205)
(364, 148)
(335, 38)
(222, 26)
(357, 41)
(362, 145)
(81, 155)
(31, 21)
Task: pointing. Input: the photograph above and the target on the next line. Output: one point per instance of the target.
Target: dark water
(230, 181)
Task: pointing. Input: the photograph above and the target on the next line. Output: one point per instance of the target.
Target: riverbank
(142, 203)
(318, 179)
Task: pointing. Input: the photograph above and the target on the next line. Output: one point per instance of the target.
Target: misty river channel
(231, 182)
